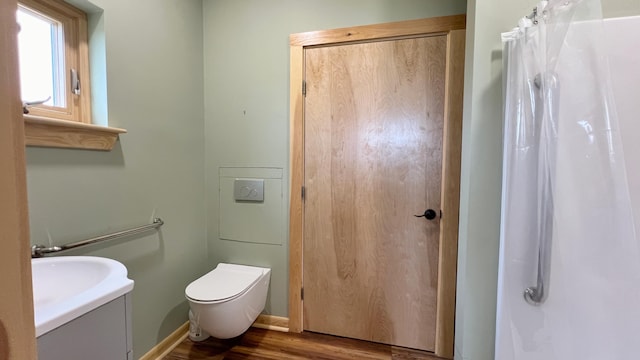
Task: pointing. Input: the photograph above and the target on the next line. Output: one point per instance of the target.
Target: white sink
(67, 287)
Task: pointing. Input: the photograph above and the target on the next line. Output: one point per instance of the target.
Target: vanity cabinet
(101, 334)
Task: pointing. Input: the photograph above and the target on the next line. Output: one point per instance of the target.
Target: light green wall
(619, 8)
(481, 169)
(246, 59)
(481, 176)
(164, 167)
(155, 88)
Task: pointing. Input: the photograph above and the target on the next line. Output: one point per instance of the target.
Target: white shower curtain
(567, 232)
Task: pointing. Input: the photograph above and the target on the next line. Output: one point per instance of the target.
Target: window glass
(41, 53)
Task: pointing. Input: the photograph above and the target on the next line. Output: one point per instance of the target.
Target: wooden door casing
(17, 327)
(373, 151)
(453, 27)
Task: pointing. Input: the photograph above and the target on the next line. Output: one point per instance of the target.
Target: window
(41, 70)
(54, 60)
(54, 77)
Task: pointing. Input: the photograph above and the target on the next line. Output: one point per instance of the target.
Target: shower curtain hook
(534, 16)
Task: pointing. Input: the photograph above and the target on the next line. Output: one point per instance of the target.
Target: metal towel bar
(41, 250)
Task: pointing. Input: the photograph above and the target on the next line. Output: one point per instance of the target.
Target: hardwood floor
(273, 345)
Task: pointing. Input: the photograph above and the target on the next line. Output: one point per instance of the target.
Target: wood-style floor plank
(263, 344)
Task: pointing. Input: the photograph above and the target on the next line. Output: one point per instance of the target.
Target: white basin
(67, 287)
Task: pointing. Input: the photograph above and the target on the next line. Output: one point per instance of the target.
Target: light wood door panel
(373, 158)
(17, 327)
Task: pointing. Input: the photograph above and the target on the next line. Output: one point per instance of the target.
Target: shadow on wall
(147, 256)
(175, 316)
(137, 252)
(391, 10)
(55, 157)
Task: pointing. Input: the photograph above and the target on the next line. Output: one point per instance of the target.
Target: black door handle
(429, 214)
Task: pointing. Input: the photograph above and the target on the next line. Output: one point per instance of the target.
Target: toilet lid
(222, 283)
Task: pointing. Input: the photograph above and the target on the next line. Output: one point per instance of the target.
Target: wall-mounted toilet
(227, 300)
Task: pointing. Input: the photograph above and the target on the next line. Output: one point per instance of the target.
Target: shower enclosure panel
(592, 301)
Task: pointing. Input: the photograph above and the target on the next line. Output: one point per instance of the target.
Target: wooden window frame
(76, 56)
(69, 126)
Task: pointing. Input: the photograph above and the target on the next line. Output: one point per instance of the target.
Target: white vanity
(82, 308)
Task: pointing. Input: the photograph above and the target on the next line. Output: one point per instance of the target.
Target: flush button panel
(248, 190)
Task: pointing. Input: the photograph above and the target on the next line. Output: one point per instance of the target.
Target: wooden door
(373, 158)
(17, 329)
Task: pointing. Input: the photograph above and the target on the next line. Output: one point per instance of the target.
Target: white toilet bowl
(228, 299)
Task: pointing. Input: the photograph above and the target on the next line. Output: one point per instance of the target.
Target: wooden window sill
(44, 132)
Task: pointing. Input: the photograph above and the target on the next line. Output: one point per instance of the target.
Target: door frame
(17, 328)
(453, 27)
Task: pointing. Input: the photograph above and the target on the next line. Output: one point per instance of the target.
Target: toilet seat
(224, 283)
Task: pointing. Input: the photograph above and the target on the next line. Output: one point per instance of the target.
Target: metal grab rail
(41, 250)
(537, 295)
(547, 84)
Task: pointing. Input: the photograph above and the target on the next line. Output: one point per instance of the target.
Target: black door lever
(429, 214)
